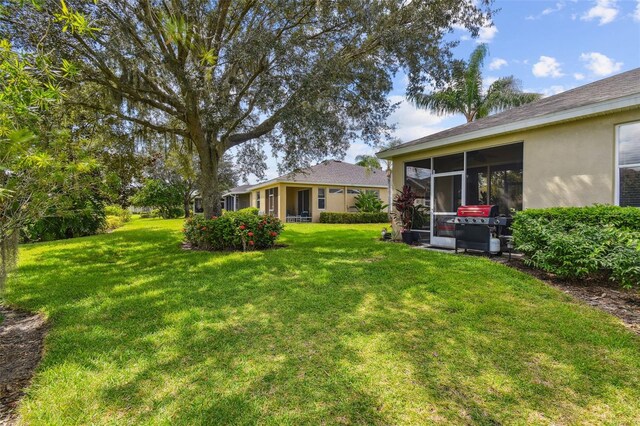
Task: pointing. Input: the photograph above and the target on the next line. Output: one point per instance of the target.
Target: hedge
(599, 215)
(582, 242)
(360, 217)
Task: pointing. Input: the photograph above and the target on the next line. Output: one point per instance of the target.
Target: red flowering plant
(243, 230)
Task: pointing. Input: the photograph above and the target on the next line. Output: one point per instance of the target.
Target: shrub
(116, 210)
(369, 202)
(82, 216)
(241, 230)
(576, 249)
(113, 222)
(598, 214)
(248, 210)
(360, 217)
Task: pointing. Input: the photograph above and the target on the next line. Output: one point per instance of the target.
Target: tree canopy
(464, 92)
(306, 76)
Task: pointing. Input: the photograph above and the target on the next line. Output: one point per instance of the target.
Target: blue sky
(550, 46)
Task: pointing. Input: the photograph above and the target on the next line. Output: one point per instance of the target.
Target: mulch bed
(21, 344)
(189, 246)
(598, 292)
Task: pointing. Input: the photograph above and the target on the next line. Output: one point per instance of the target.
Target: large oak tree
(306, 76)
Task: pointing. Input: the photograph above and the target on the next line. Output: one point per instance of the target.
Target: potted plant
(404, 205)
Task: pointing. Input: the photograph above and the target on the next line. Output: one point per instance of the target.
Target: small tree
(164, 196)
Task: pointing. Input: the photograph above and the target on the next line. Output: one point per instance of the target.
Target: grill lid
(487, 210)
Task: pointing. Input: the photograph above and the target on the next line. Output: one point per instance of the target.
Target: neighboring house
(237, 198)
(576, 148)
(301, 196)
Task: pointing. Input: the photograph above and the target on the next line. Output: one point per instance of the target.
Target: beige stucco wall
(333, 202)
(569, 164)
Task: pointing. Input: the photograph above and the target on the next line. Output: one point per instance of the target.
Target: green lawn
(336, 328)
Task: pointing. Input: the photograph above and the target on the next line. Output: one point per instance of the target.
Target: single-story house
(576, 148)
(300, 196)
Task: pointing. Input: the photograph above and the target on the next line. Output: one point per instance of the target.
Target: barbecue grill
(481, 228)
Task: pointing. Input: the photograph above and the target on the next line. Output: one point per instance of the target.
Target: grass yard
(337, 328)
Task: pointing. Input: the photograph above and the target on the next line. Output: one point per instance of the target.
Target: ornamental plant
(404, 204)
(233, 231)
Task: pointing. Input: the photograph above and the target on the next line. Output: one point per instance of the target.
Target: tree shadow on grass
(147, 332)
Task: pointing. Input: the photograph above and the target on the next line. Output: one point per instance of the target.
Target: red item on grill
(478, 211)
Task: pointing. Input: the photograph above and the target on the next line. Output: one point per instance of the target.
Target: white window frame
(618, 166)
(323, 198)
(271, 196)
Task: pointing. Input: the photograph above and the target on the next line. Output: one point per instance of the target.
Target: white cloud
(497, 63)
(488, 81)
(558, 7)
(548, 11)
(578, 76)
(411, 122)
(636, 12)
(553, 90)
(547, 66)
(487, 34)
(604, 10)
(599, 64)
(358, 148)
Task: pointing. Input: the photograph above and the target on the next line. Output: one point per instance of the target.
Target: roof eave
(585, 111)
(271, 183)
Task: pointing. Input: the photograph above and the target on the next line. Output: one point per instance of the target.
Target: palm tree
(464, 92)
(370, 162)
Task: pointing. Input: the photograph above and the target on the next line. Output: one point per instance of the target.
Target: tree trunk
(187, 206)
(210, 187)
(209, 165)
(209, 178)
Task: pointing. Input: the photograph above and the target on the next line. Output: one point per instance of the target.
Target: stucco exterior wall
(333, 202)
(568, 164)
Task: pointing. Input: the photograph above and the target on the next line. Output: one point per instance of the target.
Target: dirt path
(21, 344)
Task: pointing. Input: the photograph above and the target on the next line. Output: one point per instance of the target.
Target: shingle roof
(329, 172)
(242, 189)
(334, 172)
(617, 86)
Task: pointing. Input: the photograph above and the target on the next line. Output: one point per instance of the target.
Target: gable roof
(330, 172)
(333, 172)
(618, 92)
(242, 189)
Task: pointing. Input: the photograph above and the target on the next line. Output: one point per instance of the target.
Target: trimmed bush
(248, 210)
(598, 214)
(360, 217)
(576, 249)
(241, 230)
